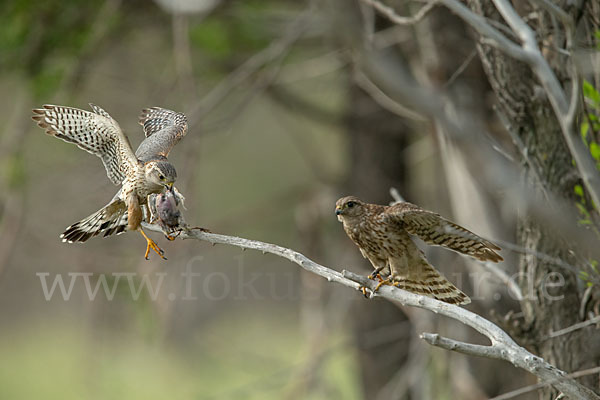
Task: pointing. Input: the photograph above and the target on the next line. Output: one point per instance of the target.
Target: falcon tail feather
(108, 220)
(433, 284)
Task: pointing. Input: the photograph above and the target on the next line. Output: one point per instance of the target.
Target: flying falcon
(382, 234)
(139, 174)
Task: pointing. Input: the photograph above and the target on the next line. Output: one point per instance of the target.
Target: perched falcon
(139, 174)
(382, 234)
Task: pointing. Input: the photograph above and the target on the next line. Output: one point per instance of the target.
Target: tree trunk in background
(378, 139)
(532, 117)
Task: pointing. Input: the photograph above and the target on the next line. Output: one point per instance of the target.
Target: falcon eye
(161, 177)
(350, 204)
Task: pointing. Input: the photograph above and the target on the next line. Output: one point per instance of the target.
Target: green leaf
(590, 92)
(583, 275)
(595, 151)
(584, 129)
(579, 190)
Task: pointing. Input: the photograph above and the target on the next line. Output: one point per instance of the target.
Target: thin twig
(543, 257)
(510, 283)
(574, 327)
(460, 69)
(396, 195)
(461, 347)
(384, 100)
(534, 167)
(531, 388)
(251, 66)
(389, 12)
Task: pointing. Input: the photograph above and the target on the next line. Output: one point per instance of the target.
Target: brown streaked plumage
(382, 234)
(139, 174)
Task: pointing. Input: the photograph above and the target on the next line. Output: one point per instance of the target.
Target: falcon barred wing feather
(98, 110)
(163, 129)
(96, 133)
(108, 220)
(436, 230)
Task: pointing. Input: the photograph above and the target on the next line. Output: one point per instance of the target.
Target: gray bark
(546, 308)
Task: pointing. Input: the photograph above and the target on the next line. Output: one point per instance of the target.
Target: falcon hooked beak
(338, 210)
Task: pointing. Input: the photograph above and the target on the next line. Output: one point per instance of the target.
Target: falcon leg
(364, 291)
(382, 282)
(151, 244)
(375, 274)
(389, 281)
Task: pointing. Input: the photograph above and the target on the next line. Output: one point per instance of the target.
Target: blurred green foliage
(232, 358)
(589, 130)
(13, 171)
(42, 38)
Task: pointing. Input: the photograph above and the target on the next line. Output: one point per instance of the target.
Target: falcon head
(160, 174)
(348, 207)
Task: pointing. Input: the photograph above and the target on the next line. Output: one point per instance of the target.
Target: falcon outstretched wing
(96, 133)
(435, 230)
(163, 129)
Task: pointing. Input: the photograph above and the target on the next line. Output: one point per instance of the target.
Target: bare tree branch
(272, 52)
(383, 100)
(510, 283)
(502, 346)
(461, 347)
(530, 53)
(494, 37)
(575, 327)
(565, 110)
(531, 388)
(397, 19)
(461, 68)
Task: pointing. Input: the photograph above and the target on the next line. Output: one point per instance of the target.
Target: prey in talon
(139, 174)
(383, 235)
(166, 214)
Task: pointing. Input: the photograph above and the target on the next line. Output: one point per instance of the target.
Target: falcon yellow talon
(364, 291)
(376, 276)
(151, 244)
(381, 283)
